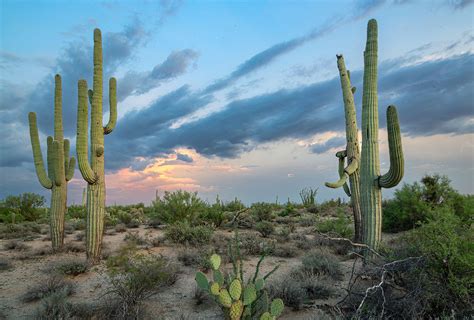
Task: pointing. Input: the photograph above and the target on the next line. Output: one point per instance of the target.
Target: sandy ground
(91, 286)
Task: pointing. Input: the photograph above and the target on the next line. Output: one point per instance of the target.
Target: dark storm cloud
(176, 64)
(432, 98)
(331, 143)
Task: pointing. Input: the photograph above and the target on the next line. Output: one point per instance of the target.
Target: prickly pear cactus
(237, 299)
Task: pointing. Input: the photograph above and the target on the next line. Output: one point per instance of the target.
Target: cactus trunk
(371, 199)
(60, 167)
(364, 172)
(93, 173)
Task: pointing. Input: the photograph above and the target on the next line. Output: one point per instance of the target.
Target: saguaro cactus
(60, 167)
(371, 182)
(93, 172)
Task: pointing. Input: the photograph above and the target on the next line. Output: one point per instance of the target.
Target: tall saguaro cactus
(371, 182)
(93, 172)
(60, 167)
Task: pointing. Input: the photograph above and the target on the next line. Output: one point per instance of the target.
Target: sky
(237, 98)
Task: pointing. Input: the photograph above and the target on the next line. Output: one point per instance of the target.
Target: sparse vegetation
(53, 284)
(265, 228)
(184, 233)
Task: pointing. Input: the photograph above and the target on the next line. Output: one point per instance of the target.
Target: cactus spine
(370, 181)
(60, 167)
(93, 172)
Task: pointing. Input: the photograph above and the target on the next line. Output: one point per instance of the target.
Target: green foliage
(214, 214)
(288, 210)
(341, 226)
(71, 268)
(447, 244)
(178, 206)
(21, 230)
(233, 206)
(24, 207)
(265, 228)
(184, 233)
(239, 299)
(308, 196)
(415, 203)
(76, 212)
(262, 211)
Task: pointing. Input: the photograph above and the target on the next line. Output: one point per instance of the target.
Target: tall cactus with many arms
(371, 182)
(60, 167)
(93, 172)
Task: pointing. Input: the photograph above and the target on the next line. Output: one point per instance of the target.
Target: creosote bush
(178, 206)
(135, 277)
(47, 287)
(184, 233)
(341, 226)
(265, 228)
(262, 211)
(320, 263)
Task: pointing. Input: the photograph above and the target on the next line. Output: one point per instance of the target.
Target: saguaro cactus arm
(58, 163)
(350, 169)
(81, 142)
(69, 163)
(341, 174)
(113, 106)
(395, 173)
(37, 155)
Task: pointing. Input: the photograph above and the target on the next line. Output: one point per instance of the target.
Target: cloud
(176, 64)
(460, 4)
(184, 157)
(432, 97)
(265, 57)
(329, 144)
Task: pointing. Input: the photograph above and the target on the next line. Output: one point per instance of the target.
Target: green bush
(24, 207)
(341, 226)
(447, 244)
(262, 211)
(233, 206)
(214, 214)
(265, 228)
(71, 268)
(415, 203)
(178, 206)
(76, 212)
(184, 233)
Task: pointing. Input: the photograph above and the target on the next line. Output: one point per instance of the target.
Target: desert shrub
(255, 246)
(157, 241)
(214, 214)
(308, 197)
(262, 211)
(307, 220)
(49, 286)
(136, 238)
(20, 230)
(15, 245)
(24, 207)
(76, 212)
(184, 233)
(341, 226)
(285, 250)
(233, 206)
(415, 203)
(178, 206)
(319, 263)
(288, 209)
(133, 278)
(70, 268)
(195, 258)
(330, 207)
(265, 228)
(55, 306)
(78, 224)
(300, 292)
(120, 227)
(80, 236)
(446, 242)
